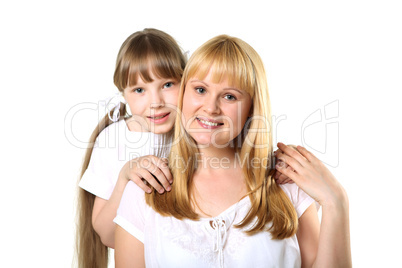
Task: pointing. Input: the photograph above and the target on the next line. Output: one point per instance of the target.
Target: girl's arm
(333, 246)
(129, 251)
(137, 170)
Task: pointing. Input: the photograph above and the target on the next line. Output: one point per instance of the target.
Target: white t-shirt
(114, 146)
(209, 242)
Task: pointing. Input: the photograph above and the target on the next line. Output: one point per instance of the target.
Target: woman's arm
(129, 251)
(308, 235)
(317, 181)
(104, 211)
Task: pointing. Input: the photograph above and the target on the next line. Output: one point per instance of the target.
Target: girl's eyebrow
(227, 88)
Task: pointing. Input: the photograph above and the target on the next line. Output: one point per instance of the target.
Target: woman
(225, 208)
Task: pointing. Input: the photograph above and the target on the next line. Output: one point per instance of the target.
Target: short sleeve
(100, 176)
(300, 200)
(131, 212)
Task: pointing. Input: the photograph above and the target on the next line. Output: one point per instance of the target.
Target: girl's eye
(168, 85)
(200, 90)
(230, 97)
(138, 90)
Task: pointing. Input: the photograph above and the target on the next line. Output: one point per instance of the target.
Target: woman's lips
(208, 123)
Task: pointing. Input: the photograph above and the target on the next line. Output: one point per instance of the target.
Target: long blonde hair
(143, 52)
(237, 61)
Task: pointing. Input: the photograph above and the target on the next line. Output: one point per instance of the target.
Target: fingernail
(168, 188)
(161, 191)
(279, 165)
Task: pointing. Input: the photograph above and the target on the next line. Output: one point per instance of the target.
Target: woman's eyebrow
(236, 89)
(198, 81)
(227, 88)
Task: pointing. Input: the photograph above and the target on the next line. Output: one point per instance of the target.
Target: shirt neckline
(245, 200)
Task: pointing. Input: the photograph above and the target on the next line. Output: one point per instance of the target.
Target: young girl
(225, 208)
(148, 72)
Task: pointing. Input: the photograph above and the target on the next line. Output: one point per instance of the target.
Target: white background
(345, 55)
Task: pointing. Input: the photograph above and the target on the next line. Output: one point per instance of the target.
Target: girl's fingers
(281, 178)
(158, 167)
(288, 160)
(137, 180)
(288, 172)
(308, 155)
(151, 180)
(285, 179)
(164, 167)
(292, 153)
(159, 175)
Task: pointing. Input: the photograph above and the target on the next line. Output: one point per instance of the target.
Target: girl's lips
(208, 123)
(159, 118)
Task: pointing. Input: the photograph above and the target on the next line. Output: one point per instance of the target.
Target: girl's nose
(157, 101)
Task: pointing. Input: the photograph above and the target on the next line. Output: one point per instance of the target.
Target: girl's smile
(159, 118)
(152, 104)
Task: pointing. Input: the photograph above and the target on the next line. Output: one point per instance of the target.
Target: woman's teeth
(208, 123)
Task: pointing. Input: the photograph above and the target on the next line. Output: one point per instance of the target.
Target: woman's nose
(211, 106)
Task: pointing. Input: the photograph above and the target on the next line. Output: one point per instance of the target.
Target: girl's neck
(135, 126)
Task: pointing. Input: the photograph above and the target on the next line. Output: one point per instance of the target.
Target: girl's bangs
(153, 65)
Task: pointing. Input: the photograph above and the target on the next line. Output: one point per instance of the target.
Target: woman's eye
(200, 90)
(230, 97)
(138, 90)
(168, 85)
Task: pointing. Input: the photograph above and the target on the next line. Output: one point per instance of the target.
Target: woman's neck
(213, 158)
(218, 181)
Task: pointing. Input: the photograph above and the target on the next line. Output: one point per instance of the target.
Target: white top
(114, 146)
(209, 242)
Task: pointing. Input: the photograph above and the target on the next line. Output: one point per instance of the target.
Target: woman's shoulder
(132, 205)
(300, 200)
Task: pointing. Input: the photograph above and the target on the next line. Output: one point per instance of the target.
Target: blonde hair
(143, 52)
(237, 61)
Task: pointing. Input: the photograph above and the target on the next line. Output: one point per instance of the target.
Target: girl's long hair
(142, 53)
(271, 209)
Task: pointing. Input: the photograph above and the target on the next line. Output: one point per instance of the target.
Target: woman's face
(214, 113)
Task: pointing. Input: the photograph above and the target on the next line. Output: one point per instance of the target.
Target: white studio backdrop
(334, 72)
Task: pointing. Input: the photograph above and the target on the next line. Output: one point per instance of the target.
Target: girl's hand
(148, 170)
(279, 177)
(311, 175)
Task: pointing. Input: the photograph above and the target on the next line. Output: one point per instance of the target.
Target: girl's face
(153, 104)
(214, 113)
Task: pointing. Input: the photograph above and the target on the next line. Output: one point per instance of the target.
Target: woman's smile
(214, 112)
(208, 123)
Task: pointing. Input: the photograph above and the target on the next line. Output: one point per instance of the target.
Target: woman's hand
(310, 174)
(148, 170)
